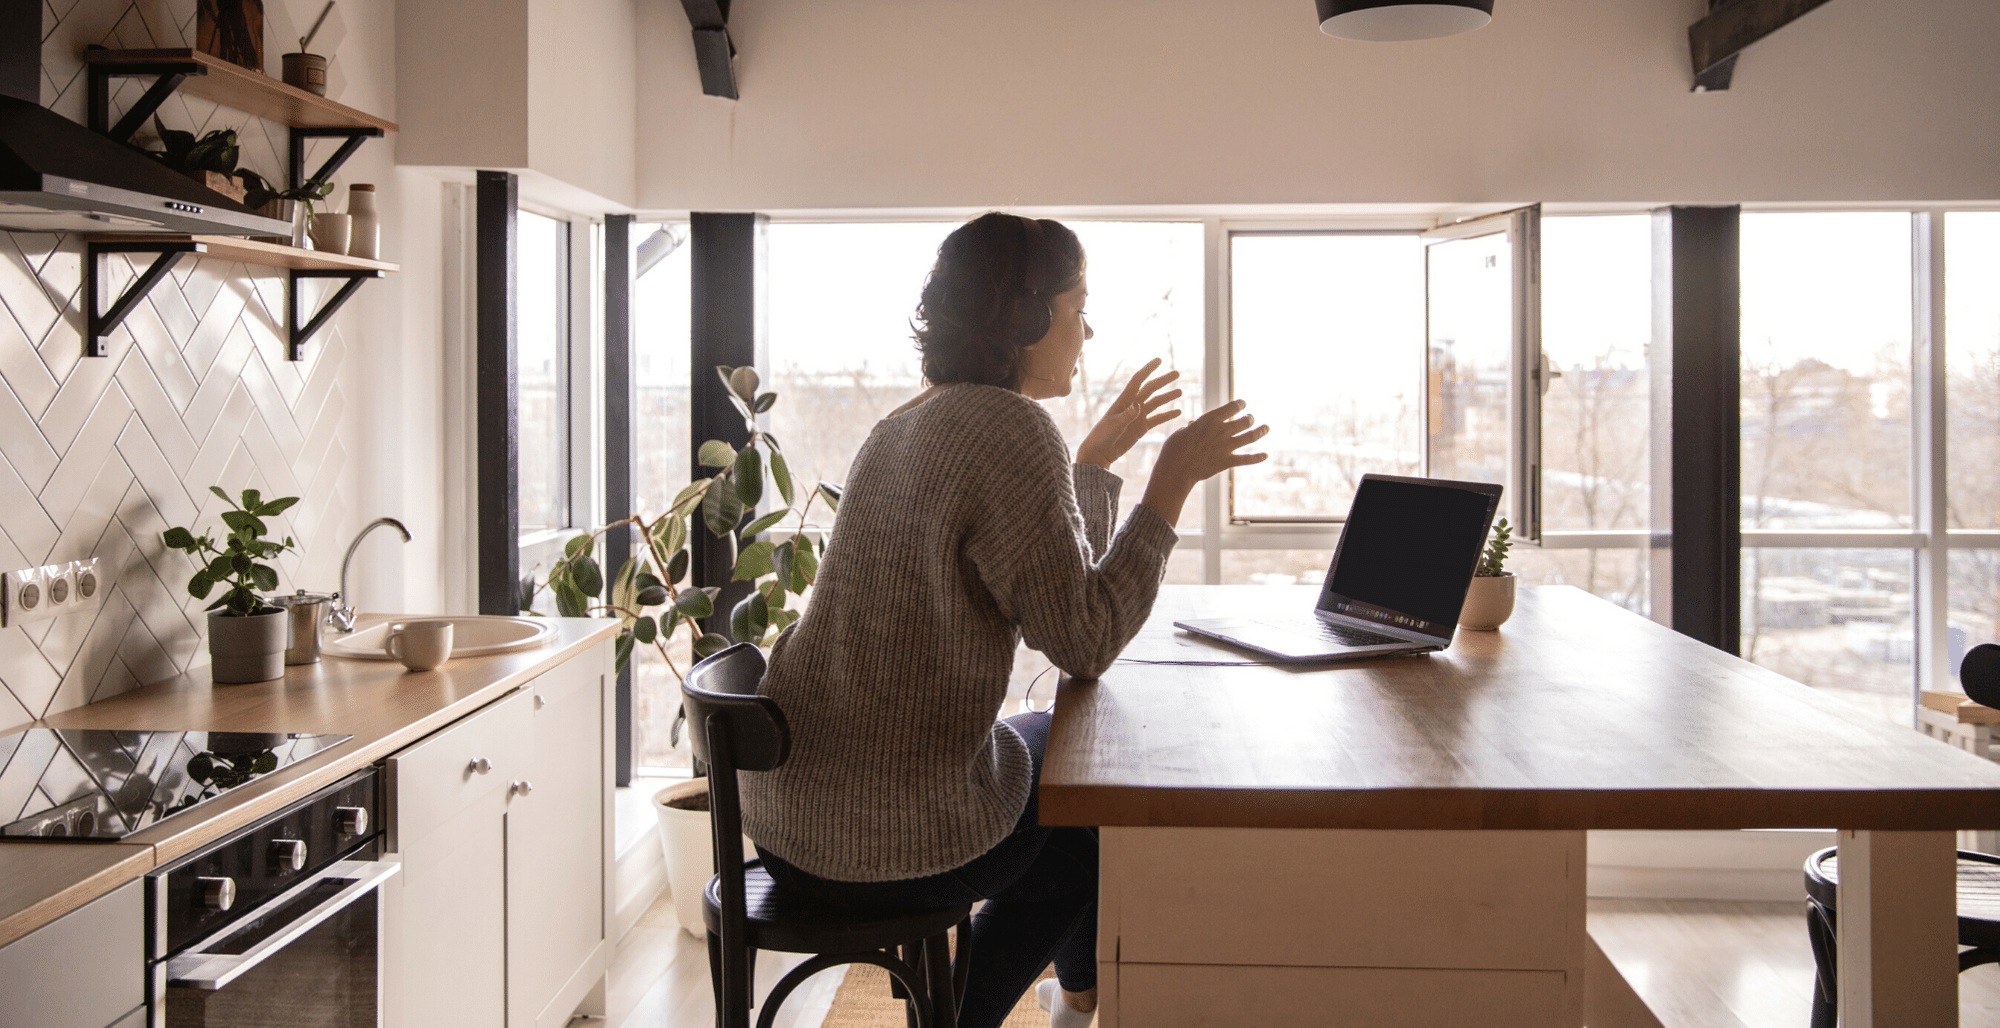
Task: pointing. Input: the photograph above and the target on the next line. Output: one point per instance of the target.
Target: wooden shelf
(249, 91)
(250, 251)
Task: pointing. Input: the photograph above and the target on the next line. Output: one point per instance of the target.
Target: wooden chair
(1978, 921)
(734, 729)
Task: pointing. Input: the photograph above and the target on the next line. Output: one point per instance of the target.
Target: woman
(965, 528)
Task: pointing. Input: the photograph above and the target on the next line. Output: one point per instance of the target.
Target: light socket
(59, 587)
(23, 600)
(91, 584)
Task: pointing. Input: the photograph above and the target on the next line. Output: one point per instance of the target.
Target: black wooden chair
(734, 729)
(1978, 921)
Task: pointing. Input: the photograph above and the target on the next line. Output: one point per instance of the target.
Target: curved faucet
(342, 615)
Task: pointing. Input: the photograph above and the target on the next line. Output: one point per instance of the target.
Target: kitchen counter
(384, 708)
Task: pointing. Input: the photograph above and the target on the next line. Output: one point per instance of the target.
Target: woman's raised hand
(1205, 446)
(1134, 413)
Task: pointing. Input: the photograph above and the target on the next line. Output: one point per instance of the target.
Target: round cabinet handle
(522, 788)
(540, 701)
(289, 854)
(480, 765)
(350, 820)
(215, 893)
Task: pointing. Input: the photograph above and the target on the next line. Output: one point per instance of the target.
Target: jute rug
(864, 1002)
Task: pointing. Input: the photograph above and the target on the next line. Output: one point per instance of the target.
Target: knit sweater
(964, 529)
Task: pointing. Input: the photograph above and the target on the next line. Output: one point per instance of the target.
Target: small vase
(364, 239)
(1488, 603)
(330, 232)
(246, 649)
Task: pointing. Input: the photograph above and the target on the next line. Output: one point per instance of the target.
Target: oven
(278, 924)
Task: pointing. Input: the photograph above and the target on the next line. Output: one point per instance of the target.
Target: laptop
(1398, 577)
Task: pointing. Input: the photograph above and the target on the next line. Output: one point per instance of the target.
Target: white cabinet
(85, 969)
(502, 823)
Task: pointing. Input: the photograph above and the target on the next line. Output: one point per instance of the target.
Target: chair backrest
(731, 728)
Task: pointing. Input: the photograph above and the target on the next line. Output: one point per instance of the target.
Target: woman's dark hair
(989, 296)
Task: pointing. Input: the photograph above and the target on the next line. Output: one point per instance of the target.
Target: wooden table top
(1576, 714)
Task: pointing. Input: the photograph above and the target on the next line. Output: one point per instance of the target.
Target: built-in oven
(279, 924)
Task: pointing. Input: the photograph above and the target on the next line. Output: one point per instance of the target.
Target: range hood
(58, 176)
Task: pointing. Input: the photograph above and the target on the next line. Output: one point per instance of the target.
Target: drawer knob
(289, 854)
(479, 765)
(540, 702)
(350, 820)
(522, 788)
(215, 893)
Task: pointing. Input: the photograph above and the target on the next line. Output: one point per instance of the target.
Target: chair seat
(1978, 892)
(784, 921)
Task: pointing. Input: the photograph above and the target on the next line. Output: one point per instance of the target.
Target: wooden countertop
(1576, 714)
(384, 708)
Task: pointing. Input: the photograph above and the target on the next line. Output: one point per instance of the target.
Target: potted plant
(293, 205)
(653, 599)
(209, 160)
(246, 636)
(1490, 600)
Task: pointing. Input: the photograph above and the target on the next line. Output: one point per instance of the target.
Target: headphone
(1032, 310)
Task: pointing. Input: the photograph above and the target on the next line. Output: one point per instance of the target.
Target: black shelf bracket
(171, 75)
(296, 333)
(101, 322)
(353, 137)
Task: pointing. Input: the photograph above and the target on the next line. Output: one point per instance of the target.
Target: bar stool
(1978, 921)
(731, 729)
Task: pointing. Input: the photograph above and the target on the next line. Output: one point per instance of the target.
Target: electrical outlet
(59, 587)
(23, 599)
(91, 584)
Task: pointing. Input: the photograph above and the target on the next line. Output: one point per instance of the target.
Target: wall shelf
(307, 115)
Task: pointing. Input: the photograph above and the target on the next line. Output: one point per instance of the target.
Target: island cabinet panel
(557, 876)
(84, 970)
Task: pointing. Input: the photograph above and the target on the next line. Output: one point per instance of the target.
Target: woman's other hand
(1207, 445)
(1134, 413)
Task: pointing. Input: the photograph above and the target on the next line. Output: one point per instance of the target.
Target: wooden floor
(659, 979)
(1715, 964)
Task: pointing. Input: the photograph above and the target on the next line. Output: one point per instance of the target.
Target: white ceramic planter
(684, 840)
(1488, 604)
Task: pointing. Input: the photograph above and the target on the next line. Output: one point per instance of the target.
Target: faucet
(342, 615)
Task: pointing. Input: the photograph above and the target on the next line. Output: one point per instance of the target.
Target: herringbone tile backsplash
(98, 456)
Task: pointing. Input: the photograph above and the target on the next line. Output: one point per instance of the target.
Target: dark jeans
(1040, 888)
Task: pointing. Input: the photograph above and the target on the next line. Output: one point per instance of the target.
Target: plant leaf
(252, 499)
(721, 509)
(576, 547)
(677, 568)
(623, 648)
(264, 577)
(782, 619)
(723, 371)
(242, 521)
(200, 585)
(743, 382)
(765, 402)
(669, 620)
(178, 538)
(587, 577)
(831, 492)
(646, 629)
(748, 476)
(715, 454)
(807, 566)
(570, 601)
(695, 603)
(527, 590)
(781, 560)
(764, 523)
(781, 474)
(750, 618)
(277, 506)
(652, 596)
(217, 490)
(754, 562)
(688, 491)
(710, 645)
(676, 536)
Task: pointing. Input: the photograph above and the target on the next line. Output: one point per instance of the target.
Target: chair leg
(943, 999)
(1826, 961)
(961, 966)
(715, 974)
(735, 990)
(913, 955)
(896, 990)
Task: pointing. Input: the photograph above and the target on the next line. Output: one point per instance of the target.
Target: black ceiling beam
(712, 46)
(1731, 27)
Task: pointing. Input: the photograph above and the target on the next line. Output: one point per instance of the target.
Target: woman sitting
(965, 529)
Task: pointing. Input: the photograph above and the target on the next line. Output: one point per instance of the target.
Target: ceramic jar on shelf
(364, 237)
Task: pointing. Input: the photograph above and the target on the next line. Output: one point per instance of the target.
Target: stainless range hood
(58, 176)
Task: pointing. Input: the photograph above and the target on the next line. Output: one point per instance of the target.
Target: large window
(1972, 369)
(661, 464)
(542, 359)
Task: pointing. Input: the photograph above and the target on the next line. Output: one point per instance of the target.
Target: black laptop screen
(1409, 548)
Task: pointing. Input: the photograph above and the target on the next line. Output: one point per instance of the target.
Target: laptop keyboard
(1324, 632)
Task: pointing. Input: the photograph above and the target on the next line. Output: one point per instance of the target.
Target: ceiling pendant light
(1397, 20)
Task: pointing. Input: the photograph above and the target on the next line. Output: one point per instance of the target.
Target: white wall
(958, 103)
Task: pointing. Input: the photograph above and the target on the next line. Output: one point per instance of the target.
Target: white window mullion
(1931, 599)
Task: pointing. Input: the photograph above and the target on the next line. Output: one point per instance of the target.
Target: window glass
(1617, 574)
(1837, 620)
(1972, 367)
(1275, 567)
(1826, 370)
(1597, 310)
(1471, 305)
(660, 461)
(1975, 605)
(541, 368)
(1326, 344)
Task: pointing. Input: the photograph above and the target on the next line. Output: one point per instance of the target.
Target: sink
(471, 636)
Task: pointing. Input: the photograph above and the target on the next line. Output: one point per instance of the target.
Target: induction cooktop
(103, 785)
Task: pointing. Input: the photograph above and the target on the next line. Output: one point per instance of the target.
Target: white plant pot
(685, 842)
(1488, 604)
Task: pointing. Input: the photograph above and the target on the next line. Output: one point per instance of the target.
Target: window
(542, 358)
(661, 464)
(1972, 451)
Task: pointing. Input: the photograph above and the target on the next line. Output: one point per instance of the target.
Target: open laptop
(1398, 577)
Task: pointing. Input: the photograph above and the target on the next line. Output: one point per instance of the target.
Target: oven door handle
(211, 971)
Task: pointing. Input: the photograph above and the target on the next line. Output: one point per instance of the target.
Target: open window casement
(1485, 372)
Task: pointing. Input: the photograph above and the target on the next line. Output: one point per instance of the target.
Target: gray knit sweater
(964, 528)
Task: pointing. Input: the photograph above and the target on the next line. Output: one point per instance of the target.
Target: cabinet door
(454, 921)
(556, 838)
(86, 969)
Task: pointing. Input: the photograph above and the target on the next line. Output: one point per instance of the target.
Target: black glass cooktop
(88, 783)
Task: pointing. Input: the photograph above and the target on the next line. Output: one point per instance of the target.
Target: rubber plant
(651, 594)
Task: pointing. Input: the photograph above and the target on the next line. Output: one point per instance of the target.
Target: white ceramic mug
(420, 645)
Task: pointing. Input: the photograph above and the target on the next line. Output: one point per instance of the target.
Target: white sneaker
(1048, 996)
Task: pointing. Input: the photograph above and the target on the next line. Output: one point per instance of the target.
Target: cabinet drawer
(435, 779)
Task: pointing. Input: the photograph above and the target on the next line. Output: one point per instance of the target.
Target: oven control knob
(350, 820)
(288, 854)
(215, 893)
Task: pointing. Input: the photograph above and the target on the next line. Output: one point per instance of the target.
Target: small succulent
(1493, 563)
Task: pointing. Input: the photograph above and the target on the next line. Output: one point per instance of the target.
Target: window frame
(582, 383)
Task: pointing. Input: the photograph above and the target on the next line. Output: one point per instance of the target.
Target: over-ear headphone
(1033, 312)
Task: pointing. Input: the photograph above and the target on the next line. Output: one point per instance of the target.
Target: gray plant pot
(243, 650)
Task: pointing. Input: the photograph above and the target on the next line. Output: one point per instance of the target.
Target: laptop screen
(1408, 552)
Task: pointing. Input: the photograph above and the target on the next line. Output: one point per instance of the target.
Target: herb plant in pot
(1490, 601)
(246, 636)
